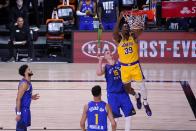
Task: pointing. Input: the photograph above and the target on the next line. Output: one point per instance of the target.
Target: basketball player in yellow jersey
(129, 59)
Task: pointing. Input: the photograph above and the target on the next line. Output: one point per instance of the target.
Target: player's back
(97, 116)
(26, 98)
(128, 51)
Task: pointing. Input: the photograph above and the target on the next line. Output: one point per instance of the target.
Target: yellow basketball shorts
(132, 72)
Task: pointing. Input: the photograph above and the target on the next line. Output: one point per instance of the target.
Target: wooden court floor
(65, 88)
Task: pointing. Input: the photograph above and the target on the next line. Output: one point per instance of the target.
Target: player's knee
(129, 89)
(132, 91)
(126, 87)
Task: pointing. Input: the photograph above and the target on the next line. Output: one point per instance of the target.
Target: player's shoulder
(103, 102)
(86, 107)
(23, 82)
(23, 85)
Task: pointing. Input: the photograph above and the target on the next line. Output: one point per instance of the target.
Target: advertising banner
(178, 9)
(154, 47)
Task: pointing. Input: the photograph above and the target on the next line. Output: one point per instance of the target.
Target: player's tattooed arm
(83, 119)
(116, 33)
(101, 67)
(111, 118)
(21, 90)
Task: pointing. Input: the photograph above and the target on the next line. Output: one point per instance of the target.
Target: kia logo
(90, 48)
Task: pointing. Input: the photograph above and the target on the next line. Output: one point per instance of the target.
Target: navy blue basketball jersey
(84, 8)
(97, 116)
(113, 78)
(26, 98)
(108, 8)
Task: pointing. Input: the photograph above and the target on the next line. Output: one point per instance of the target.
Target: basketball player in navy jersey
(96, 113)
(118, 98)
(23, 100)
(108, 13)
(86, 11)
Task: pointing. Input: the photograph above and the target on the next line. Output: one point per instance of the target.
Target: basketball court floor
(65, 88)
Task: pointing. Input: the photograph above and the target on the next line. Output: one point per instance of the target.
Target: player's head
(19, 3)
(20, 22)
(125, 29)
(108, 55)
(96, 91)
(25, 71)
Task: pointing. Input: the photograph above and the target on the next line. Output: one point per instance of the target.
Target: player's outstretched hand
(35, 97)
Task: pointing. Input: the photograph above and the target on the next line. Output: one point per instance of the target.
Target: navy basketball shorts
(25, 120)
(121, 101)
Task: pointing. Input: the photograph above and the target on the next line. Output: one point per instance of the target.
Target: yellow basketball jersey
(128, 51)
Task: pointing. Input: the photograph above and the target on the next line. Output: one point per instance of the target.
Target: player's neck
(126, 36)
(97, 99)
(27, 78)
(111, 61)
(88, 2)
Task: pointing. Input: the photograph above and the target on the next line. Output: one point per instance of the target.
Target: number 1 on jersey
(96, 119)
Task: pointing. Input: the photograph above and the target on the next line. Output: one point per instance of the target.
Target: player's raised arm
(101, 67)
(23, 87)
(111, 118)
(116, 36)
(83, 119)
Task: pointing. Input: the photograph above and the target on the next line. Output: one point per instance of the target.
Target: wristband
(18, 113)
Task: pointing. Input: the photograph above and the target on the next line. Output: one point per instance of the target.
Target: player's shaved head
(96, 91)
